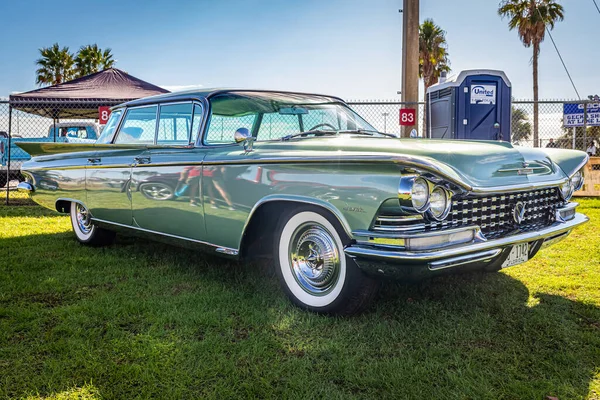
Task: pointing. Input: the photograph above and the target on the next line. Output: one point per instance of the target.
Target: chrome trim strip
(220, 249)
(403, 256)
(371, 234)
(521, 169)
(466, 259)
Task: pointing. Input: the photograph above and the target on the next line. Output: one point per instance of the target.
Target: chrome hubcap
(157, 191)
(83, 219)
(314, 259)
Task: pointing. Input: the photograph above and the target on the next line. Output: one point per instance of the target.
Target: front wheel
(313, 269)
(85, 230)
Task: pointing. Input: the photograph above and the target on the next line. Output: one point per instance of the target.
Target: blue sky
(350, 48)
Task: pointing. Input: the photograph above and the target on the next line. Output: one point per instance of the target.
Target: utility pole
(410, 58)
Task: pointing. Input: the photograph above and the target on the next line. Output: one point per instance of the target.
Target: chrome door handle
(142, 160)
(94, 160)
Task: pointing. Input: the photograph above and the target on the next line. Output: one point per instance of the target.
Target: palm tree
(531, 18)
(433, 56)
(521, 127)
(433, 52)
(91, 59)
(55, 66)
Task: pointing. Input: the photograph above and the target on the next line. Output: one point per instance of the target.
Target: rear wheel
(314, 271)
(85, 231)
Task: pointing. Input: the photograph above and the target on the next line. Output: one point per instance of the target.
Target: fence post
(585, 107)
(574, 136)
(8, 152)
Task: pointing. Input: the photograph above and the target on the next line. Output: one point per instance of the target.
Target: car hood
(475, 164)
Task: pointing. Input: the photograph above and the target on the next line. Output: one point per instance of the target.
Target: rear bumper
(391, 260)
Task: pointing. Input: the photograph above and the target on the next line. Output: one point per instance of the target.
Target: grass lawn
(141, 319)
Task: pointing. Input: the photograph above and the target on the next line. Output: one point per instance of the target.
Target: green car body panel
(209, 193)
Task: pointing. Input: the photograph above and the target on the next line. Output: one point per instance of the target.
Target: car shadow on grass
(145, 319)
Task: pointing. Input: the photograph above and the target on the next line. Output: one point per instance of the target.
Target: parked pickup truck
(65, 132)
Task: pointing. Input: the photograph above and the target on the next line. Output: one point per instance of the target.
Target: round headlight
(419, 194)
(439, 203)
(577, 181)
(566, 190)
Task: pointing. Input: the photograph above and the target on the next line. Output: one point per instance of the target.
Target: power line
(596, 4)
(560, 56)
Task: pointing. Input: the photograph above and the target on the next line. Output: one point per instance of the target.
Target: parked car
(305, 181)
(63, 132)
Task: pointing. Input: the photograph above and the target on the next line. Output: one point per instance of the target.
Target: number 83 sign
(408, 116)
(103, 114)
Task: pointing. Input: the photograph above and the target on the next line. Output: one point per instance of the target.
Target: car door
(165, 187)
(109, 170)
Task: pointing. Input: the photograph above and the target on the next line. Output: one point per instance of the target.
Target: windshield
(274, 116)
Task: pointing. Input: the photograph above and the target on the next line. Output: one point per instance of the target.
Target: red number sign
(103, 114)
(408, 116)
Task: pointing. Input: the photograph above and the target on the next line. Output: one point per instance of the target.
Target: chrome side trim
(399, 255)
(220, 249)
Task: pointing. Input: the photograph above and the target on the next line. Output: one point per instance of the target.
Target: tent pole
(8, 159)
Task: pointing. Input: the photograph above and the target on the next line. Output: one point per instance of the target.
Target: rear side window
(139, 126)
(175, 124)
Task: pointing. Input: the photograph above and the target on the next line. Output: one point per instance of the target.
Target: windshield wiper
(366, 132)
(319, 132)
(316, 132)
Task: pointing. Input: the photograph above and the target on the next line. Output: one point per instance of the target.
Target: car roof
(196, 94)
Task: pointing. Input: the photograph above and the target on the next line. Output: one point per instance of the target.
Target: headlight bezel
(447, 203)
(577, 186)
(566, 195)
(406, 200)
(427, 185)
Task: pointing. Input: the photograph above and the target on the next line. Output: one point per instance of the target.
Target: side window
(174, 124)
(275, 126)
(138, 126)
(109, 129)
(221, 128)
(196, 121)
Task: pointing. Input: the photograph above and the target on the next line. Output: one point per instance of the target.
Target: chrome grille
(492, 213)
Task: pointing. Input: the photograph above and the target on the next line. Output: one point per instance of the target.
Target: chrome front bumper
(384, 259)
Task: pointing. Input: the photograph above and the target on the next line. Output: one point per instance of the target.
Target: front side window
(221, 128)
(174, 124)
(273, 116)
(138, 127)
(109, 129)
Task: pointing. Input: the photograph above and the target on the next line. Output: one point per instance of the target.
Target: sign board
(103, 114)
(408, 116)
(573, 114)
(483, 94)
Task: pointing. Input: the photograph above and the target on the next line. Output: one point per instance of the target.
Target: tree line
(57, 65)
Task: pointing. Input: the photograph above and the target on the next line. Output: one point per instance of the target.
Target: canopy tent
(80, 98)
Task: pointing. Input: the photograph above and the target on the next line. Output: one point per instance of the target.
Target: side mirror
(243, 135)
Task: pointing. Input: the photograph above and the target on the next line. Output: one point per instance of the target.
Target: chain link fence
(36, 124)
(384, 116)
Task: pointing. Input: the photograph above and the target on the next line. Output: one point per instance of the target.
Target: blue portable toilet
(474, 105)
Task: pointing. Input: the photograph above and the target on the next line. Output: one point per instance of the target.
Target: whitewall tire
(312, 267)
(85, 230)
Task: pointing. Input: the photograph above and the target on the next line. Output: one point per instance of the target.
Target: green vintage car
(302, 180)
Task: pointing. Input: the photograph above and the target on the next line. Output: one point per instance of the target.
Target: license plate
(518, 254)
